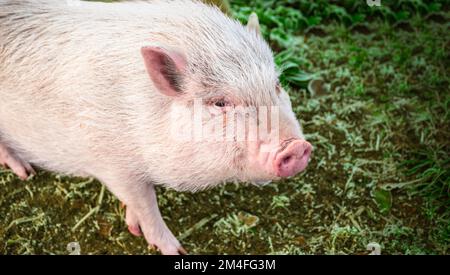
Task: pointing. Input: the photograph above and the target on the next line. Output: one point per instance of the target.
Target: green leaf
(383, 199)
(358, 18)
(281, 37)
(402, 15)
(314, 20)
(434, 7)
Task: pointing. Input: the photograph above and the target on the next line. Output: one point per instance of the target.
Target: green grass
(377, 113)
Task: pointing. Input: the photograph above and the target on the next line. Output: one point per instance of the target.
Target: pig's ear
(253, 23)
(165, 68)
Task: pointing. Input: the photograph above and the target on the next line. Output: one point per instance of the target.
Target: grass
(377, 113)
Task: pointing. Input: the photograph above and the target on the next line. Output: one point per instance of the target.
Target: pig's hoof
(135, 230)
(175, 249)
(19, 167)
(132, 222)
(168, 245)
(164, 241)
(180, 251)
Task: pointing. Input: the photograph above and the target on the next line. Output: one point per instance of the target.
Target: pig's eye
(221, 103)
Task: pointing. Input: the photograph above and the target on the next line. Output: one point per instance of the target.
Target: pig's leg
(144, 209)
(143, 213)
(18, 166)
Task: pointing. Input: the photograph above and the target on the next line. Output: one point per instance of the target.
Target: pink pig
(96, 89)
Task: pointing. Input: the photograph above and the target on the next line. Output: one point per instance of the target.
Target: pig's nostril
(286, 160)
(293, 158)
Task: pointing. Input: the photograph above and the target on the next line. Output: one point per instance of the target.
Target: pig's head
(236, 120)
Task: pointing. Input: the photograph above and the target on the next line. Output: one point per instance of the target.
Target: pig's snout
(292, 158)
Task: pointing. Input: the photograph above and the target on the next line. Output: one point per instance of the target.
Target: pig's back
(62, 70)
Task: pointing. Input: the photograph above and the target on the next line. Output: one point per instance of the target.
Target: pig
(89, 89)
